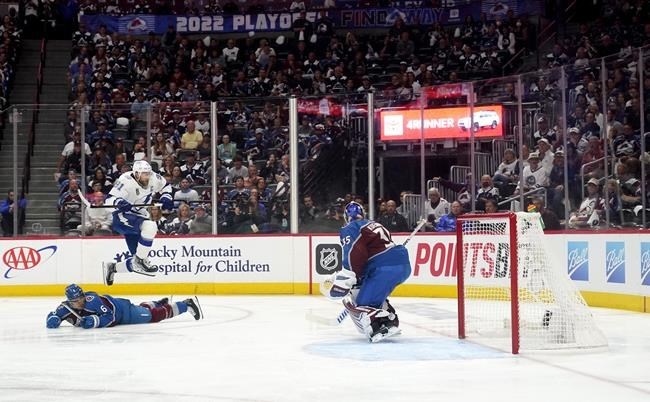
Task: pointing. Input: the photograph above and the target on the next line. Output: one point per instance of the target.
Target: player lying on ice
(90, 310)
(372, 267)
(136, 188)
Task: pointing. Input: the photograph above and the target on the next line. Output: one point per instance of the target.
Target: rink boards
(612, 269)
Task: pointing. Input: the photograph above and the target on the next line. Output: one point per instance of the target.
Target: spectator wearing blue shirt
(101, 134)
(447, 222)
(7, 211)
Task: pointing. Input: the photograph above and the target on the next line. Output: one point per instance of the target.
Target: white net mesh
(552, 313)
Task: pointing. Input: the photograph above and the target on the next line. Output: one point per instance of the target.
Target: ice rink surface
(263, 349)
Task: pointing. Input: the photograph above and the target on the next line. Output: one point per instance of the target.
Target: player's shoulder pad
(126, 176)
(371, 225)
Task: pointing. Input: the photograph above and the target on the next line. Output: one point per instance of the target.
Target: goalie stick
(332, 322)
(87, 203)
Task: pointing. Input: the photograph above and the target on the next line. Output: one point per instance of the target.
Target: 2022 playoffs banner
(141, 24)
(441, 123)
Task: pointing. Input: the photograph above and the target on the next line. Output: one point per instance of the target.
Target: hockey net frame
(537, 293)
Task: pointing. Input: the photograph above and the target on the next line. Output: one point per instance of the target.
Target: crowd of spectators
(121, 78)
(596, 191)
(125, 81)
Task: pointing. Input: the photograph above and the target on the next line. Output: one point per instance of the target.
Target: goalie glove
(339, 284)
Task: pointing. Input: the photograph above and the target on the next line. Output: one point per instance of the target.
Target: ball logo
(615, 262)
(645, 264)
(24, 258)
(578, 260)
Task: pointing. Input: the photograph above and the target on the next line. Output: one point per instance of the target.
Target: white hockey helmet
(141, 167)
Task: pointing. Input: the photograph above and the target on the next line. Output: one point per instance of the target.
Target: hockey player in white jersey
(136, 187)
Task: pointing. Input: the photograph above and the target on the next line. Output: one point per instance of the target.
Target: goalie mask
(354, 211)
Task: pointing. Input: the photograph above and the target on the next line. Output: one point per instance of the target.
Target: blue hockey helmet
(354, 211)
(73, 292)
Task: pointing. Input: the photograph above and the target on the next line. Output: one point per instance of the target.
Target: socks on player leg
(164, 311)
(144, 245)
(124, 266)
(148, 231)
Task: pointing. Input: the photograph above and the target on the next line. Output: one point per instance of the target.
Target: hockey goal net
(510, 292)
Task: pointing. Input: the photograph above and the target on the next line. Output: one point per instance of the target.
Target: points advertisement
(592, 261)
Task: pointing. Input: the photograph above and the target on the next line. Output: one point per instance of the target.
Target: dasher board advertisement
(441, 123)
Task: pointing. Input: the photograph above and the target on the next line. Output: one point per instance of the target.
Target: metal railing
(589, 164)
(539, 190)
(414, 208)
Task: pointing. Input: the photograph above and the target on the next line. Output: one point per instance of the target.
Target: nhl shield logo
(328, 258)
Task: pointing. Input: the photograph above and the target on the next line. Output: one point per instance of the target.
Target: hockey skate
(194, 308)
(109, 272)
(384, 332)
(142, 266)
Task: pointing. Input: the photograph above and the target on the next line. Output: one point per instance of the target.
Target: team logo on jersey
(645, 264)
(531, 180)
(615, 262)
(23, 258)
(137, 191)
(328, 258)
(578, 260)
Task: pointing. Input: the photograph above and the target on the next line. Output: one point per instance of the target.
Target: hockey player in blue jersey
(373, 265)
(91, 310)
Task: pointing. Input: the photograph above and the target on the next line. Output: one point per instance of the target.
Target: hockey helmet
(141, 167)
(354, 211)
(73, 292)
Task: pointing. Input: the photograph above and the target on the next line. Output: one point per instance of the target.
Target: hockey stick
(87, 203)
(421, 223)
(344, 313)
(331, 322)
(74, 313)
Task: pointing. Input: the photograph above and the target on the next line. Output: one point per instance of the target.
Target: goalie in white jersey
(136, 188)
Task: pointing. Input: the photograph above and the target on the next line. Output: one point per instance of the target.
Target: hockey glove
(89, 321)
(339, 284)
(167, 202)
(53, 321)
(124, 206)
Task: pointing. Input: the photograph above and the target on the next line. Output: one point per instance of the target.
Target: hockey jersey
(536, 178)
(127, 188)
(367, 244)
(433, 213)
(105, 307)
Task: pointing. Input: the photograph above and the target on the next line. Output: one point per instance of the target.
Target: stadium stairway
(23, 91)
(42, 216)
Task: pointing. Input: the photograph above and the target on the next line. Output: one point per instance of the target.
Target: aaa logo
(23, 258)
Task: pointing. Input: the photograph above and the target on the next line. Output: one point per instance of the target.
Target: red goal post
(510, 286)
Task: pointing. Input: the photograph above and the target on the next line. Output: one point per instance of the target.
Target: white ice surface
(263, 349)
